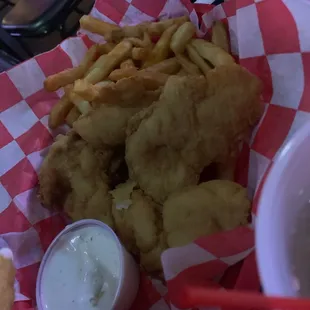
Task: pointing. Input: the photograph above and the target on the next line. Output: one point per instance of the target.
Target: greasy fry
(61, 79)
(153, 80)
(136, 42)
(82, 105)
(146, 42)
(119, 74)
(161, 50)
(169, 66)
(216, 55)
(197, 59)
(106, 63)
(98, 26)
(219, 36)
(181, 37)
(128, 32)
(157, 28)
(187, 65)
(85, 90)
(140, 53)
(72, 116)
(105, 48)
(128, 63)
(103, 84)
(59, 112)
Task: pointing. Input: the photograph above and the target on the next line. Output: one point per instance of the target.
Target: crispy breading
(151, 261)
(72, 177)
(135, 217)
(106, 123)
(195, 122)
(204, 209)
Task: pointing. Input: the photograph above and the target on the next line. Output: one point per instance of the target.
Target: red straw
(199, 296)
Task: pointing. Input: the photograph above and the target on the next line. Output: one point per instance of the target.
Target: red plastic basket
(199, 296)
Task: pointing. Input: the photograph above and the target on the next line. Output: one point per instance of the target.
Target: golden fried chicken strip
(106, 123)
(72, 177)
(195, 122)
(204, 209)
(135, 218)
(151, 261)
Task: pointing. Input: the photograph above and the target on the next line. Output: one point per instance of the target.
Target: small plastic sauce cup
(128, 282)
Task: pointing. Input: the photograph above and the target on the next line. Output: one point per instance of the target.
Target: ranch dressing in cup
(85, 269)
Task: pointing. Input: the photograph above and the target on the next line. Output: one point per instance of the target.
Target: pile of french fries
(131, 51)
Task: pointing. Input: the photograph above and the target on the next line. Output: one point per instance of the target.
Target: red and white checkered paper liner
(271, 38)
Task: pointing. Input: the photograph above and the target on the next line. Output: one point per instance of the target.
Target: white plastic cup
(129, 272)
(283, 221)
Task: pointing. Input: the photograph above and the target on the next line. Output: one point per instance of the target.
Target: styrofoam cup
(283, 221)
(129, 272)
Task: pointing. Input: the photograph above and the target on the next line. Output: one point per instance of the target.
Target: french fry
(157, 28)
(128, 32)
(215, 54)
(103, 84)
(219, 36)
(181, 37)
(106, 63)
(59, 112)
(146, 42)
(72, 116)
(168, 66)
(136, 42)
(140, 53)
(83, 105)
(187, 65)
(197, 59)
(85, 90)
(97, 26)
(128, 63)
(153, 80)
(119, 74)
(61, 79)
(105, 48)
(161, 50)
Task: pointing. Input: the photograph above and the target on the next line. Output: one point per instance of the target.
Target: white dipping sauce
(82, 272)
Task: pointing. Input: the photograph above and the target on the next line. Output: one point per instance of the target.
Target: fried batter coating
(195, 122)
(106, 123)
(72, 177)
(151, 261)
(204, 209)
(135, 218)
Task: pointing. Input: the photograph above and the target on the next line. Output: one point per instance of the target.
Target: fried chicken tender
(151, 261)
(139, 225)
(106, 123)
(72, 177)
(196, 121)
(135, 218)
(204, 209)
(7, 277)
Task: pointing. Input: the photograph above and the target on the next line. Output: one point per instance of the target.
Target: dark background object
(31, 27)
